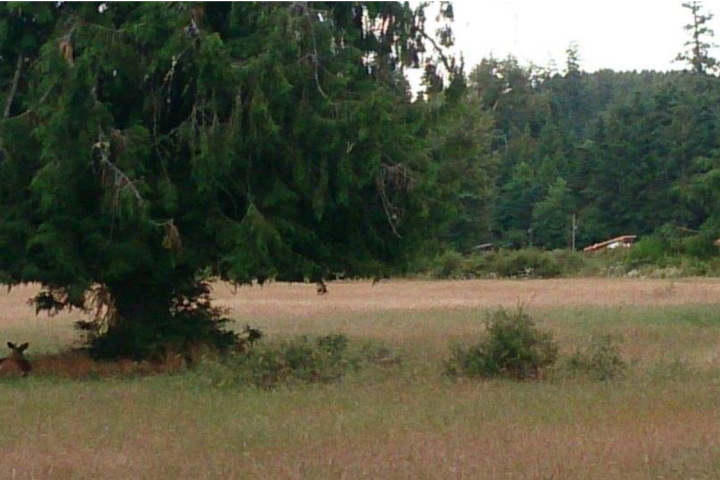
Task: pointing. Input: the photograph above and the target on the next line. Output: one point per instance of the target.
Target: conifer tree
(551, 217)
(146, 148)
(697, 53)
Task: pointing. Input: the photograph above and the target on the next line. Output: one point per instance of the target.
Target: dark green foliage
(627, 152)
(700, 246)
(649, 250)
(551, 224)
(461, 146)
(300, 360)
(526, 263)
(449, 264)
(672, 248)
(335, 344)
(511, 347)
(628, 162)
(601, 360)
(150, 147)
(652, 257)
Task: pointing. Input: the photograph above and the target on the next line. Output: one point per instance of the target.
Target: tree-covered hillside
(626, 152)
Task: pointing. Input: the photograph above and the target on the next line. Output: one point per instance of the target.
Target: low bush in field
(668, 254)
(601, 360)
(300, 360)
(449, 264)
(527, 263)
(650, 257)
(511, 347)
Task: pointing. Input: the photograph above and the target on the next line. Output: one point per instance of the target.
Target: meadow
(405, 420)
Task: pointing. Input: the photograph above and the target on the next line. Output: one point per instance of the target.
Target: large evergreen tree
(148, 147)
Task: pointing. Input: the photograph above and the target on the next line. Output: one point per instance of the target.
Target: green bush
(449, 264)
(650, 250)
(511, 347)
(601, 360)
(478, 265)
(299, 360)
(699, 246)
(529, 262)
(568, 261)
(605, 263)
(653, 256)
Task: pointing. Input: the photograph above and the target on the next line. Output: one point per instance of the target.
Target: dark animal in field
(16, 364)
(249, 336)
(321, 288)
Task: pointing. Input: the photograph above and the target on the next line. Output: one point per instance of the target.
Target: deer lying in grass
(16, 364)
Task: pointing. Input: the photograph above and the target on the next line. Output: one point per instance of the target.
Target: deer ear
(24, 347)
(11, 345)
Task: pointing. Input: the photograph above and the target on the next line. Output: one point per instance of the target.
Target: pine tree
(551, 217)
(572, 64)
(515, 205)
(150, 147)
(698, 54)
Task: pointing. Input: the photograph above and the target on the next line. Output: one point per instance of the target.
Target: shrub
(601, 360)
(479, 265)
(568, 261)
(612, 263)
(649, 250)
(529, 262)
(511, 347)
(449, 264)
(699, 246)
(299, 360)
(652, 256)
(335, 345)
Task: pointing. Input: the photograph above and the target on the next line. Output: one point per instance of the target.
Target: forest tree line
(624, 152)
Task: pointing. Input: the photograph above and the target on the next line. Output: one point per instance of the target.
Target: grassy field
(403, 421)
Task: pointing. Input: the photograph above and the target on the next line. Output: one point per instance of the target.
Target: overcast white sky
(616, 34)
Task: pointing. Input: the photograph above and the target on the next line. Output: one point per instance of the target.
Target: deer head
(18, 353)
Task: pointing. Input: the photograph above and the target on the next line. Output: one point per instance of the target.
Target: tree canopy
(148, 147)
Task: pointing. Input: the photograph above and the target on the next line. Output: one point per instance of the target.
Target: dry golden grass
(300, 301)
(407, 421)
(77, 365)
(297, 301)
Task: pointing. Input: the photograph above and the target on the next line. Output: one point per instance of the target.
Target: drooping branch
(315, 58)
(400, 178)
(112, 176)
(447, 63)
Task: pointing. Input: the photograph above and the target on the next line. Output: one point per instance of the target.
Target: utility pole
(574, 229)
